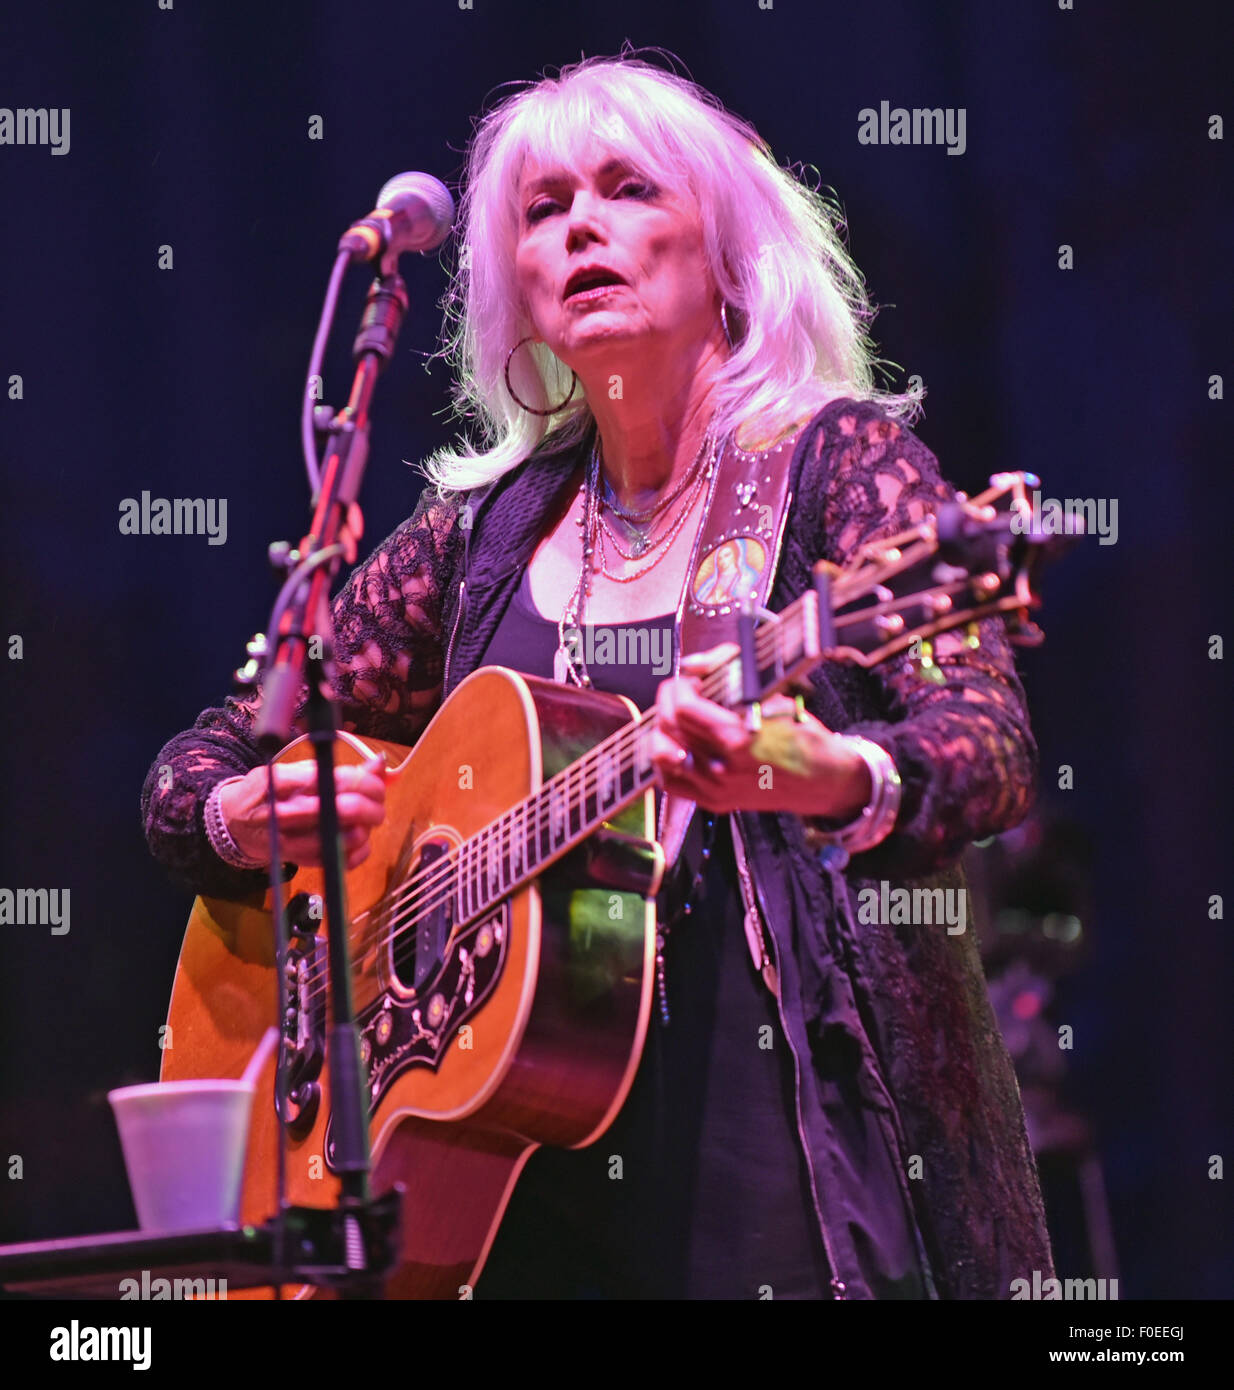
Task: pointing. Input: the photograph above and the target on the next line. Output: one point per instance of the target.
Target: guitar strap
(735, 555)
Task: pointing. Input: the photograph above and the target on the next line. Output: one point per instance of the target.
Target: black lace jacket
(912, 999)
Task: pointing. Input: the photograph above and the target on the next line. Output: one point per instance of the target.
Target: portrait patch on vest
(730, 573)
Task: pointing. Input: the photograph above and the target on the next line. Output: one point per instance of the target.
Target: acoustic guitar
(502, 929)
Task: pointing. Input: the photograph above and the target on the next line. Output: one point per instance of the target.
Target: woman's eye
(632, 188)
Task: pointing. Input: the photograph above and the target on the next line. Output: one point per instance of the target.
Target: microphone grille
(434, 193)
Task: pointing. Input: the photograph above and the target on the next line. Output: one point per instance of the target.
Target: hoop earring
(728, 332)
(530, 409)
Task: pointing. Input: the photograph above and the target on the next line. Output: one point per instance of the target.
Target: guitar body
(483, 1036)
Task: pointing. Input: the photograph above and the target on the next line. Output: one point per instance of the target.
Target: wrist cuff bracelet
(877, 818)
(219, 836)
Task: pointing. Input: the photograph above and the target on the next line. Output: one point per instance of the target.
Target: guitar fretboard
(576, 801)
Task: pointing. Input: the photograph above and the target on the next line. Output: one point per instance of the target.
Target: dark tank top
(699, 1189)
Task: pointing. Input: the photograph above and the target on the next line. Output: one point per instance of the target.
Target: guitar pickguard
(398, 1031)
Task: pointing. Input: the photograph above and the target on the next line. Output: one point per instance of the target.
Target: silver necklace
(661, 547)
(640, 522)
(565, 666)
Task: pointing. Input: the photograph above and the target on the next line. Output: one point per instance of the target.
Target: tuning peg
(282, 556)
(257, 648)
(1022, 631)
(927, 666)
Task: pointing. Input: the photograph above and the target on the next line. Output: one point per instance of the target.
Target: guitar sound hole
(425, 919)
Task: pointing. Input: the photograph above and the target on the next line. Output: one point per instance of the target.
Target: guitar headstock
(975, 557)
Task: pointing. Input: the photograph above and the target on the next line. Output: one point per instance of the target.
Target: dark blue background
(1087, 127)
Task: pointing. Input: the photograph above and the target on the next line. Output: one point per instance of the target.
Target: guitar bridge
(303, 1039)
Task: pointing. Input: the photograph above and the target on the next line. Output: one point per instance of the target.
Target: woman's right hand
(361, 805)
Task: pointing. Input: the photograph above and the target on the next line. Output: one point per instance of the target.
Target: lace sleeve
(964, 749)
(387, 674)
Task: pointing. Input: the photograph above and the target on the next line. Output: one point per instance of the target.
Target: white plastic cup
(184, 1147)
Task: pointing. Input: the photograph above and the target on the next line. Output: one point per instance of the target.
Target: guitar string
(589, 771)
(414, 892)
(616, 746)
(620, 742)
(790, 620)
(447, 873)
(886, 555)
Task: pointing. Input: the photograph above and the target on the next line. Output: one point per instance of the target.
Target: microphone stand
(297, 660)
(353, 1247)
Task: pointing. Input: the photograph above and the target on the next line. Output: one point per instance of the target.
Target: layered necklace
(599, 502)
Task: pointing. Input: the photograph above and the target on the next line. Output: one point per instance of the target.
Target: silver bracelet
(877, 818)
(220, 837)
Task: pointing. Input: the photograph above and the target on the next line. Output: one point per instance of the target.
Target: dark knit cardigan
(891, 1018)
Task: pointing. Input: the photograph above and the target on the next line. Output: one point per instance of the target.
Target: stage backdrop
(1058, 275)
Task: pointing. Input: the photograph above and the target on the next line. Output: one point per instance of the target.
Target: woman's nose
(586, 222)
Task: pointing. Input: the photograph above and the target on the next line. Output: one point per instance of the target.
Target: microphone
(414, 213)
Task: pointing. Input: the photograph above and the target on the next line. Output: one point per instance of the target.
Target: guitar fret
(477, 872)
(495, 887)
(642, 752)
(576, 800)
(606, 781)
(628, 765)
(733, 677)
(798, 636)
(464, 882)
(530, 838)
(516, 842)
(585, 794)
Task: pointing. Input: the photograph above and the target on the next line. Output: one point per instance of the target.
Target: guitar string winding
(587, 769)
(416, 891)
(791, 620)
(419, 894)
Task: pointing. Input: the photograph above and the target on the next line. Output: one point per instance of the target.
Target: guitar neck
(969, 561)
(573, 804)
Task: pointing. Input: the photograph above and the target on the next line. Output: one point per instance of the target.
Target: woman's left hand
(703, 751)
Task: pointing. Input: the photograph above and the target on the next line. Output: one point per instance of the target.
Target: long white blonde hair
(797, 303)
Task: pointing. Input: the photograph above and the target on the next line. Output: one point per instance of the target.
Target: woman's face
(726, 559)
(659, 294)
